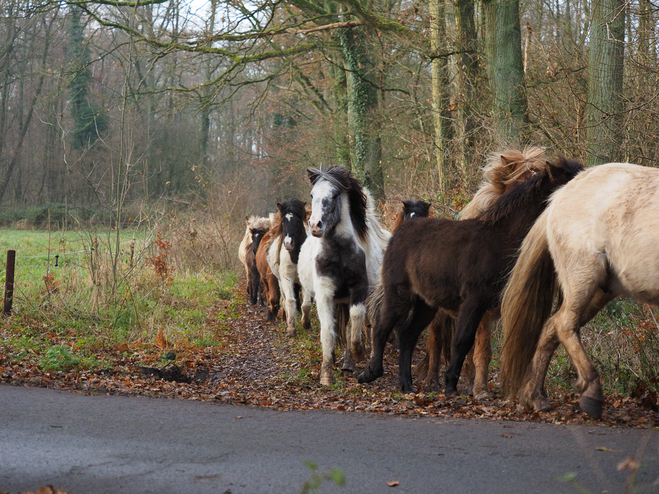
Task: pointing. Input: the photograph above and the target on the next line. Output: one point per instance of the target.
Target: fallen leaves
(259, 365)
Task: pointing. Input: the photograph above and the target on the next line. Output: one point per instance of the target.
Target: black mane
(555, 175)
(343, 179)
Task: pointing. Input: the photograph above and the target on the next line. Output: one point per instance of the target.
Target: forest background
(140, 135)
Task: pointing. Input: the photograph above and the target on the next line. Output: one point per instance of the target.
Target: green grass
(62, 319)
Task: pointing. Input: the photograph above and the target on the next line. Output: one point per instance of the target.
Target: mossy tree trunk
(362, 106)
(604, 111)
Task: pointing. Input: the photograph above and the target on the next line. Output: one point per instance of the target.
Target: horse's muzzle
(317, 232)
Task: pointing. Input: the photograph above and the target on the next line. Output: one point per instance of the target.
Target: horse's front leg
(471, 313)
(288, 289)
(325, 305)
(392, 312)
(306, 308)
(408, 335)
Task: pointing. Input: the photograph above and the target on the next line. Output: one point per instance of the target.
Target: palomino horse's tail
(526, 305)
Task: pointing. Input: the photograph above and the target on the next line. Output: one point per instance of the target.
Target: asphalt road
(112, 444)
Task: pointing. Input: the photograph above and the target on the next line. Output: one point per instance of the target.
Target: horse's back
(430, 255)
(608, 217)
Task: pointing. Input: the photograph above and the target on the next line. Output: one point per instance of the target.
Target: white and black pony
(340, 260)
(283, 256)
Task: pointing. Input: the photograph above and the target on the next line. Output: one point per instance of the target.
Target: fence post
(9, 282)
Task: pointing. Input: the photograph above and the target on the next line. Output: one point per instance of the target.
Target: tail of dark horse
(526, 305)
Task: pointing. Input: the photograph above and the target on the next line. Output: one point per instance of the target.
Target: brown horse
(501, 172)
(269, 283)
(255, 229)
(458, 266)
(597, 240)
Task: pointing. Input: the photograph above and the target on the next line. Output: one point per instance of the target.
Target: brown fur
(458, 266)
(502, 171)
(269, 282)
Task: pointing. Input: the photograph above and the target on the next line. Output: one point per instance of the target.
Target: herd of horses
(543, 245)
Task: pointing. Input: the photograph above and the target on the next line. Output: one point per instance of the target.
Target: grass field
(74, 296)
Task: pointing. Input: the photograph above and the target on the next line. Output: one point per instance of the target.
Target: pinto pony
(255, 229)
(458, 266)
(596, 240)
(340, 260)
(289, 233)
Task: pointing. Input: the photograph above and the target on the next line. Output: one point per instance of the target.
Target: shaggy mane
(501, 172)
(342, 178)
(522, 192)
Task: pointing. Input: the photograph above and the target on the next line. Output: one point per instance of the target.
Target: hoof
(541, 404)
(348, 367)
(592, 406)
(326, 381)
(366, 377)
(306, 324)
(482, 395)
(407, 388)
(347, 373)
(291, 333)
(270, 317)
(450, 391)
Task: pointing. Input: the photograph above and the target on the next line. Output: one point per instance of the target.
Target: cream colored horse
(597, 239)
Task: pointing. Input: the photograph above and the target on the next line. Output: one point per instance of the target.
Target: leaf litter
(259, 365)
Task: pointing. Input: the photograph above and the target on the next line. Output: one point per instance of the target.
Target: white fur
(323, 288)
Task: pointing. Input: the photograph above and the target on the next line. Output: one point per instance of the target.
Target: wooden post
(9, 282)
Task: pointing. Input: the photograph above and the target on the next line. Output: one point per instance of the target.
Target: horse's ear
(246, 220)
(279, 206)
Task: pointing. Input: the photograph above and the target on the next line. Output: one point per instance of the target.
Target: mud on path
(258, 365)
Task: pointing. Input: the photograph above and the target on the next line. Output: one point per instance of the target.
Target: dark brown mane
(343, 179)
(524, 192)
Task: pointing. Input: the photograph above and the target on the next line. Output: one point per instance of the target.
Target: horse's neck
(518, 224)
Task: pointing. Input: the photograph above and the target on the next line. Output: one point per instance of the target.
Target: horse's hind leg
(471, 313)
(357, 316)
(482, 355)
(564, 327)
(408, 335)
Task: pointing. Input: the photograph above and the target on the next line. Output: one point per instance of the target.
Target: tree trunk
(507, 70)
(362, 104)
(440, 95)
(604, 112)
(467, 75)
